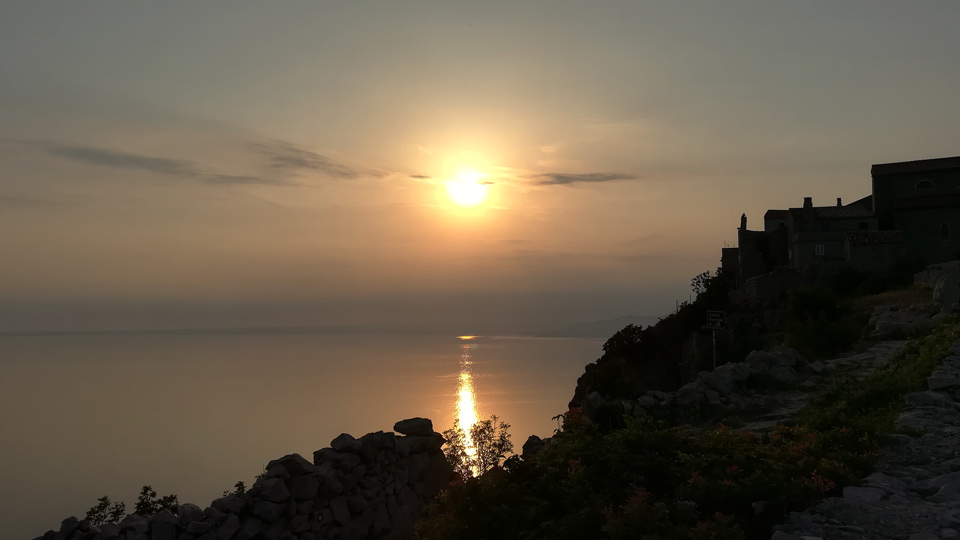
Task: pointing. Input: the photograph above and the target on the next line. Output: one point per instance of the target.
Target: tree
(239, 489)
(490, 446)
(106, 512)
(700, 282)
(148, 504)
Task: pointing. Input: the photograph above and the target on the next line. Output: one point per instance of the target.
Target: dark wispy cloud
(124, 160)
(284, 156)
(181, 168)
(420, 176)
(557, 179)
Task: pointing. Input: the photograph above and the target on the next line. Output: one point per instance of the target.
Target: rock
(937, 383)
(532, 447)
(817, 367)
(198, 528)
(780, 535)
(250, 527)
(414, 426)
(784, 375)
(303, 487)
(341, 514)
(163, 525)
(295, 465)
(688, 396)
(947, 289)
(299, 524)
(137, 523)
(229, 527)
(269, 511)
(358, 528)
(346, 443)
(381, 521)
(272, 490)
(67, 528)
(929, 399)
(869, 494)
(417, 444)
(110, 531)
(188, 512)
(329, 485)
(231, 504)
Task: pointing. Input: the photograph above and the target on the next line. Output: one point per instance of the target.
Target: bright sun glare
(467, 189)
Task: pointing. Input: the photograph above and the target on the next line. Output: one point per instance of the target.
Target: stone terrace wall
(372, 487)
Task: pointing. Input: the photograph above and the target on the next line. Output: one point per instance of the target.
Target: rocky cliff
(372, 487)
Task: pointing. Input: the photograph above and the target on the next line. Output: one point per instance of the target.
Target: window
(944, 232)
(864, 225)
(924, 184)
(818, 250)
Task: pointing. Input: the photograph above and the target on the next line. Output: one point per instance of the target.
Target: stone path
(915, 492)
(786, 404)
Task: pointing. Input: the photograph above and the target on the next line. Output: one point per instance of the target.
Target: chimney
(838, 202)
(743, 222)
(808, 202)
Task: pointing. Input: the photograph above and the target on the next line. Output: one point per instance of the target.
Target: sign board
(715, 320)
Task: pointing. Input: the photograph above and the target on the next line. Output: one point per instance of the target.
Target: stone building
(913, 215)
(922, 199)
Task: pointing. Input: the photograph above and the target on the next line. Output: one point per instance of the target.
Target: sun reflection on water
(466, 408)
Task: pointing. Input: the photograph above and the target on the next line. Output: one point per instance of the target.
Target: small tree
(106, 511)
(491, 444)
(148, 504)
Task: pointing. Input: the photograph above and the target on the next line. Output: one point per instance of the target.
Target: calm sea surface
(87, 416)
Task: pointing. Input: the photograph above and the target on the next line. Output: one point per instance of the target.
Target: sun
(467, 188)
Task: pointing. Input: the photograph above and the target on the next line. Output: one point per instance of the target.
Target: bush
(818, 324)
(650, 480)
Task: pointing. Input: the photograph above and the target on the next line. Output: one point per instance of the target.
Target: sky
(249, 163)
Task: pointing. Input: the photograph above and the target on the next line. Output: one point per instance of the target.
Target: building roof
(850, 211)
(919, 165)
(777, 214)
(874, 238)
(866, 202)
(841, 212)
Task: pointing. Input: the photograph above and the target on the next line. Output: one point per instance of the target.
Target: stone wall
(372, 487)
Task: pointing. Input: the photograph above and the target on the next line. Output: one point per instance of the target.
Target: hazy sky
(192, 164)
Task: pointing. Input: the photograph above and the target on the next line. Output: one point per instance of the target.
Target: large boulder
(414, 426)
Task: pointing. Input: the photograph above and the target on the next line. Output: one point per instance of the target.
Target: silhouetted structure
(912, 216)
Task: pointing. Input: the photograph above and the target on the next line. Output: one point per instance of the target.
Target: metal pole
(714, 332)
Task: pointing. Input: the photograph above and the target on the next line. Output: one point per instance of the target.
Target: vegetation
(651, 480)
(491, 444)
(148, 504)
(819, 324)
(106, 511)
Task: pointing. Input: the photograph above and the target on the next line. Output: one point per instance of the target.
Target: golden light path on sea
(466, 408)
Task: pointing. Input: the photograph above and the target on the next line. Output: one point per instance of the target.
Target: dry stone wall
(372, 487)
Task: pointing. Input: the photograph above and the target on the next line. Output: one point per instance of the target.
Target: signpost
(714, 323)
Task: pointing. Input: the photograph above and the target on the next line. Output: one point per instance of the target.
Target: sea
(84, 416)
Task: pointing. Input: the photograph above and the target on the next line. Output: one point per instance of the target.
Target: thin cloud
(420, 176)
(124, 160)
(287, 157)
(116, 159)
(240, 179)
(561, 179)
